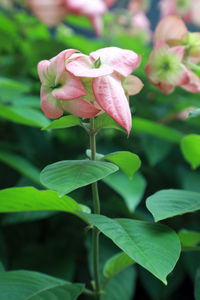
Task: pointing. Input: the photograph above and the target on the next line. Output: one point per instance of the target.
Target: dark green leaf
(105, 121)
(25, 285)
(68, 175)
(189, 239)
(169, 203)
(197, 285)
(154, 246)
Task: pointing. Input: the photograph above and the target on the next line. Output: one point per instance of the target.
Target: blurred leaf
(23, 115)
(155, 149)
(169, 203)
(156, 129)
(190, 146)
(23, 199)
(24, 285)
(105, 121)
(154, 246)
(127, 161)
(193, 113)
(12, 84)
(20, 217)
(116, 264)
(197, 285)
(98, 155)
(68, 175)
(22, 165)
(131, 190)
(189, 239)
(64, 122)
(81, 21)
(2, 269)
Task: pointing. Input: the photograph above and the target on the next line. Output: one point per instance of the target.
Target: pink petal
(109, 3)
(193, 85)
(50, 106)
(169, 28)
(97, 24)
(42, 69)
(86, 7)
(80, 107)
(84, 67)
(71, 88)
(57, 63)
(121, 60)
(110, 96)
(179, 50)
(132, 85)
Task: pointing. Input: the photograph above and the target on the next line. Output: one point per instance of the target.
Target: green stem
(96, 204)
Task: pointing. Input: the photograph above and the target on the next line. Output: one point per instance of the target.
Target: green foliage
(190, 146)
(169, 203)
(64, 122)
(131, 190)
(197, 286)
(189, 239)
(68, 175)
(33, 285)
(155, 247)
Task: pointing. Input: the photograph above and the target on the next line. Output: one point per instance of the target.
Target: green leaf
(197, 285)
(22, 165)
(131, 190)
(169, 203)
(190, 146)
(116, 264)
(158, 130)
(98, 155)
(193, 113)
(23, 115)
(20, 199)
(105, 121)
(68, 175)
(25, 285)
(64, 122)
(189, 239)
(127, 161)
(12, 84)
(154, 246)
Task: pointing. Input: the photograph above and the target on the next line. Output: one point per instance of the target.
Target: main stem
(96, 205)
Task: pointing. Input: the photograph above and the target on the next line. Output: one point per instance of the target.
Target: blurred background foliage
(56, 243)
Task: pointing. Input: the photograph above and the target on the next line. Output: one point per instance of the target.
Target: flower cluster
(89, 85)
(51, 12)
(189, 10)
(173, 61)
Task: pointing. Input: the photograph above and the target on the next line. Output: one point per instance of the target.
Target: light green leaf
(27, 285)
(197, 285)
(131, 190)
(189, 239)
(68, 175)
(127, 161)
(190, 146)
(169, 203)
(154, 246)
(21, 199)
(98, 155)
(12, 84)
(64, 122)
(116, 264)
(158, 130)
(105, 121)
(22, 165)
(23, 115)
(193, 113)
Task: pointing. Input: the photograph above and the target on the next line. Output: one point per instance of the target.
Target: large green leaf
(64, 122)
(127, 161)
(154, 246)
(30, 199)
(190, 146)
(27, 285)
(23, 115)
(158, 130)
(169, 203)
(68, 175)
(21, 165)
(116, 264)
(131, 190)
(197, 285)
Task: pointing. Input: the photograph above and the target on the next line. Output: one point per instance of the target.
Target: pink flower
(172, 62)
(61, 90)
(87, 85)
(50, 12)
(189, 10)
